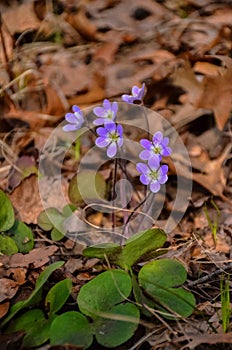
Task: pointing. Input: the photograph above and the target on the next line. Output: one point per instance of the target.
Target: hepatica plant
(110, 306)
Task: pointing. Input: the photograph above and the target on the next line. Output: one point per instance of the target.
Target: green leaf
(52, 220)
(23, 236)
(68, 210)
(86, 185)
(49, 218)
(6, 212)
(56, 235)
(109, 250)
(7, 245)
(33, 298)
(38, 334)
(34, 324)
(140, 247)
(71, 328)
(58, 295)
(161, 280)
(103, 292)
(101, 299)
(119, 327)
(26, 321)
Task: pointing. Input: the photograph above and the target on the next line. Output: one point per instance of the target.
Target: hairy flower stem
(134, 212)
(114, 180)
(123, 192)
(146, 120)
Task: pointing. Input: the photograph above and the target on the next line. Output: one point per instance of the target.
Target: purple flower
(158, 147)
(137, 94)
(75, 119)
(106, 114)
(153, 174)
(110, 136)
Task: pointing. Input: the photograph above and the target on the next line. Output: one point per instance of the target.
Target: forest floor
(58, 54)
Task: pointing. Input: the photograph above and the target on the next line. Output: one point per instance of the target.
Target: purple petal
(120, 142)
(145, 179)
(158, 136)
(102, 142)
(154, 162)
(155, 186)
(102, 132)
(71, 118)
(141, 92)
(106, 104)
(164, 169)
(114, 108)
(135, 91)
(98, 121)
(145, 155)
(112, 149)
(99, 111)
(128, 98)
(70, 127)
(76, 109)
(167, 151)
(142, 168)
(163, 174)
(111, 127)
(146, 144)
(120, 130)
(125, 98)
(163, 179)
(165, 141)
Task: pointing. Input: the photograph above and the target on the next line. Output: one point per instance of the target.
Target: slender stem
(146, 120)
(134, 211)
(113, 191)
(122, 164)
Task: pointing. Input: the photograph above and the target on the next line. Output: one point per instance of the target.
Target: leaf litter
(80, 53)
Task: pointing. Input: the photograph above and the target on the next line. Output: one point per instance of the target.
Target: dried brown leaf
(8, 289)
(212, 175)
(20, 18)
(82, 24)
(4, 307)
(37, 257)
(26, 200)
(217, 92)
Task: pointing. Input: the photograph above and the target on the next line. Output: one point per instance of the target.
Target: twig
(209, 277)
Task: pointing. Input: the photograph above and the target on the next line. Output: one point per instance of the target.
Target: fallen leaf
(37, 257)
(8, 289)
(24, 167)
(6, 39)
(82, 24)
(73, 265)
(217, 91)
(212, 175)
(20, 18)
(4, 307)
(18, 274)
(106, 52)
(26, 200)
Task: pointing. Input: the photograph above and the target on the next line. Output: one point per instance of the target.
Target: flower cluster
(153, 173)
(110, 136)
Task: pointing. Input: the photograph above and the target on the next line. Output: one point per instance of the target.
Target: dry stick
(210, 276)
